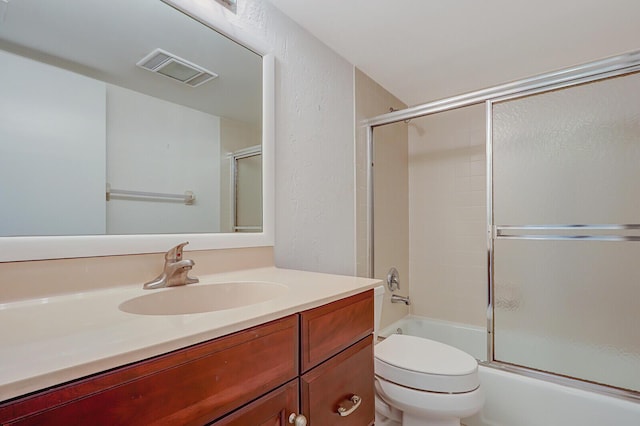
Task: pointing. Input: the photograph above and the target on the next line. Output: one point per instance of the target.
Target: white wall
(146, 135)
(315, 188)
(56, 150)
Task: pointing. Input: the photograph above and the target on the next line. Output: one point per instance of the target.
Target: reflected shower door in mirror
(247, 173)
(116, 118)
(566, 210)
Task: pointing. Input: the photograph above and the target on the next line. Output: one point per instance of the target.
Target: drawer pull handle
(350, 405)
(298, 419)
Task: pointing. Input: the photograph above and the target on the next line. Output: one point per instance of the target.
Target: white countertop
(52, 340)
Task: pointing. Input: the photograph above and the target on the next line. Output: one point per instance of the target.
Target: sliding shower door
(566, 231)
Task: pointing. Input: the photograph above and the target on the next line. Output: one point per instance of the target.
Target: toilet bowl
(424, 382)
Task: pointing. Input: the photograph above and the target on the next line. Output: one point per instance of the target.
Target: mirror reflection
(125, 117)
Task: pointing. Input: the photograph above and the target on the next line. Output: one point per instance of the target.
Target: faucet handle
(175, 254)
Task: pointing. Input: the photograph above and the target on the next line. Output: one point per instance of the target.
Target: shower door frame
(589, 72)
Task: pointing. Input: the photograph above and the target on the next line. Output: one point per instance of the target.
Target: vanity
(266, 345)
(306, 352)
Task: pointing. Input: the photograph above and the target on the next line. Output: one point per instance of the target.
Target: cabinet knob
(298, 419)
(350, 405)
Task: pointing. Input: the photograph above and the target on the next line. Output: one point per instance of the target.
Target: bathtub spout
(400, 299)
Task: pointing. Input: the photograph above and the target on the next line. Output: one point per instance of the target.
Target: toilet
(422, 382)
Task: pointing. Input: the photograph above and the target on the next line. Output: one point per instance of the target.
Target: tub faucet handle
(393, 279)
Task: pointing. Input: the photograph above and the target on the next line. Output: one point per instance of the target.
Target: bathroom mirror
(125, 126)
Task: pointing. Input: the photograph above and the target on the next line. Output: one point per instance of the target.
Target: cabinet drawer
(347, 374)
(327, 330)
(272, 409)
(191, 386)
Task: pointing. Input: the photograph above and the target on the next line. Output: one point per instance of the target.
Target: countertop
(52, 340)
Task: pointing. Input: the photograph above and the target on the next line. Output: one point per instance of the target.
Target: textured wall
(315, 188)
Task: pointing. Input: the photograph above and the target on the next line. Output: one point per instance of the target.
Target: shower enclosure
(562, 222)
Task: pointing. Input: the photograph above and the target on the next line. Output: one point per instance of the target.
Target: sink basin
(193, 299)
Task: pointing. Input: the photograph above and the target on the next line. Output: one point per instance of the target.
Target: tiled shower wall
(430, 207)
(447, 216)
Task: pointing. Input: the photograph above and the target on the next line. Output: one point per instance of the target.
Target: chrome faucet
(396, 298)
(176, 270)
(393, 282)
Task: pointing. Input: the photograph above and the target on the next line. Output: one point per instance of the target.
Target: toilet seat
(426, 365)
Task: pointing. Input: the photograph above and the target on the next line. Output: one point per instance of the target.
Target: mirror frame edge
(62, 247)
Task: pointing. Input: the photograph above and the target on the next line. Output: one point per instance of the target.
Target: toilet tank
(378, 298)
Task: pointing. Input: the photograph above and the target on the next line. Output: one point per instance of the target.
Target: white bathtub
(515, 400)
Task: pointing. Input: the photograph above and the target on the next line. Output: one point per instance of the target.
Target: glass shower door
(566, 231)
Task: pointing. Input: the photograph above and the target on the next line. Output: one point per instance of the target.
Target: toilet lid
(425, 364)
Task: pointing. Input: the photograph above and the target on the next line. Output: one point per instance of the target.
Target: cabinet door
(332, 384)
(327, 330)
(273, 409)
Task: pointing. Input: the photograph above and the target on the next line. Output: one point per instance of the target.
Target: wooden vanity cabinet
(313, 362)
(337, 362)
(191, 386)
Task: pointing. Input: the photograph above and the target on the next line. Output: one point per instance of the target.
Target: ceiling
(423, 50)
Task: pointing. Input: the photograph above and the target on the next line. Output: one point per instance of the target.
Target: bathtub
(516, 400)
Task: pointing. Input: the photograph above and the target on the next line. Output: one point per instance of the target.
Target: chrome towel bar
(188, 197)
(587, 232)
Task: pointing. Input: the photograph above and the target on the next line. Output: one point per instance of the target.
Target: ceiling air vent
(169, 65)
